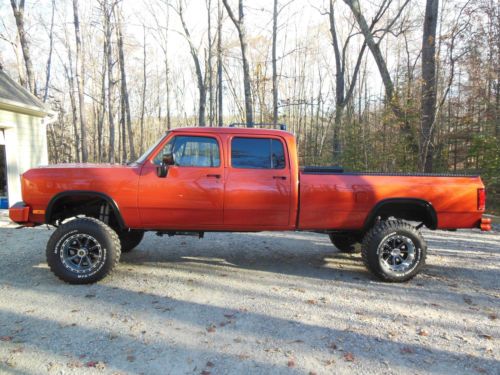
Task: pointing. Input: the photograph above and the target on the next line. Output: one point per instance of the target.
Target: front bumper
(19, 213)
(485, 224)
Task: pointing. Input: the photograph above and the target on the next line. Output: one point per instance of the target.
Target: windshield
(144, 156)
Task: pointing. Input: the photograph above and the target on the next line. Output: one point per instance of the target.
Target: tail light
(481, 199)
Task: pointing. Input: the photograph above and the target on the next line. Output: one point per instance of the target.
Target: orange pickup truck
(196, 180)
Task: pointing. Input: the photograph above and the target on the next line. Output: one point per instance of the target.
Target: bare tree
(80, 82)
(202, 89)
(124, 90)
(428, 105)
(18, 10)
(375, 48)
(239, 23)
(275, 69)
(220, 93)
(51, 48)
(209, 69)
(144, 87)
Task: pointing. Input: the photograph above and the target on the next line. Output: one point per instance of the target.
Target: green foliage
(486, 150)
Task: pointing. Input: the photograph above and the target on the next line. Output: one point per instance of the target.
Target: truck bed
(330, 198)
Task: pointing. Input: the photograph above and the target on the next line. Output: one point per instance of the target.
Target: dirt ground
(251, 303)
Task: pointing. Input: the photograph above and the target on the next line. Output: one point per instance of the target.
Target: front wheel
(394, 251)
(83, 251)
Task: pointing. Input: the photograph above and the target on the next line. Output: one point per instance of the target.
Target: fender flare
(431, 212)
(72, 193)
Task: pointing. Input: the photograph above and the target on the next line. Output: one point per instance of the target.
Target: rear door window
(257, 153)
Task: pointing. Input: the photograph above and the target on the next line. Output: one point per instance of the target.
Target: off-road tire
(130, 239)
(100, 233)
(373, 244)
(345, 244)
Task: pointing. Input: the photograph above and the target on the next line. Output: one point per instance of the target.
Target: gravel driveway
(251, 303)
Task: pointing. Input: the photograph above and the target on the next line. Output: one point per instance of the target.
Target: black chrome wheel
(81, 253)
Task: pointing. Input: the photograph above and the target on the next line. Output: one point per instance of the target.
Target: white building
(23, 136)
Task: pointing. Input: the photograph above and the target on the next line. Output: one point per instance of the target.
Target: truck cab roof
(234, 130)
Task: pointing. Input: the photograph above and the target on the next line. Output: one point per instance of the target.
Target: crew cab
(197, 180)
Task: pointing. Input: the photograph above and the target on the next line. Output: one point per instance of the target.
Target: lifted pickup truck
(196, 180)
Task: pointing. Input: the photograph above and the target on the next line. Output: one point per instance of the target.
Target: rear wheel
(83, 251)
(394, 251)
(345, 244)
(129, 240)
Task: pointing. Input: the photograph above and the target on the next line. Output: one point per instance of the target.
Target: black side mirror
(162, 170)
(167, 160)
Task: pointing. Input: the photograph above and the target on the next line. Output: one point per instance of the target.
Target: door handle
(279, 177)
(213, 175)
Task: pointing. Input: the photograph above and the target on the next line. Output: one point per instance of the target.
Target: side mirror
(162, 170)
(167, 160)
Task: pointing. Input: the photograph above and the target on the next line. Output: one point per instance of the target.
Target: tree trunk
(51, 48)
(199, 74)
(275, 69)
(209, 70)
(124, 90)
(144, 86)
(239, 23)
(377, 56)
(80, 82)
(220, 116)
(428, 103)
(107, 23)
(19, 16)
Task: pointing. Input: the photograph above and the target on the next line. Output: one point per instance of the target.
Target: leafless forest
(386, 85)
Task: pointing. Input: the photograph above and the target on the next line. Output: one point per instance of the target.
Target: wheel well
(92, 204)
(406, 209)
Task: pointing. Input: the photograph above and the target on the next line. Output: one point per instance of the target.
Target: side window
(192, 151)
(257, 153)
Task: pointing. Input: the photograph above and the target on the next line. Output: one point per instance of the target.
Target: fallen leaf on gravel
(423, 332)
(211, 328)
(311, 302)
(467, 300)
(487, 337)
(291, 363)
(492, 316)
(349, 357)
(6, 338)
(74, 364)
(210, 364)
(406, 350)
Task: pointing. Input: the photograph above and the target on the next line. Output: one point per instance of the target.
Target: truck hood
(85, 166)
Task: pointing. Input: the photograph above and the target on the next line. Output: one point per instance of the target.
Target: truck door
(258, 184)
(191, 196)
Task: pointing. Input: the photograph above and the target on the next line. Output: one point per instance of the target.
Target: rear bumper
(485, 224)
(19, 213)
